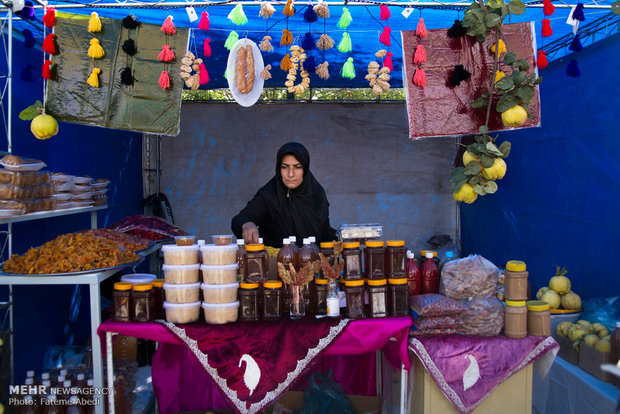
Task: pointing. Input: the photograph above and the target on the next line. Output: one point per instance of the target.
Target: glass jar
(395, 259)
(298, 301)
(157, 299)
(327, 248)
(321, 296)
(377, 298)
(248, 301)
(515, 319)
(398, 296)
(333, 300)
(538, 318)
(374, 260)
(141, 299)
(354, 290)
(352, 256)
(272, 300)
(255, 257)
(515, 280)
(122, 301)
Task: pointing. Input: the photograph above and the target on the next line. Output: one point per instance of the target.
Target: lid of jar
(395, 243)
(351, 245)
(122, 286)
(423, 253)
(142, 287)
(158, 283)
(376, 282)
(174, 247)
(537, 305)
(245, 285)
(205, 286)
(516, 266)
(374, 243)
(398, 281)
(353, 283)
(168, 305)
(182, 286)
(254, 247)
(515, 303)
(138, 278)
(232, 266)
(327, 245)
(166, 267)
(206, 305)
(321, 281)
(240, 242)
(273, 284)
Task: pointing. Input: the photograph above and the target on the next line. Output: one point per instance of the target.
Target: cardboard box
(590, 360)
(567, 351)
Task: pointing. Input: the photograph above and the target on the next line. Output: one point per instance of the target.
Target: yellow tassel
(289, 8)
(95, 50)
(287, 38)
(93, 79)
(94, 23)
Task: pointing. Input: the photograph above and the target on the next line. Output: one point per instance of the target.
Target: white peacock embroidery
(251, 376)
(471, 374)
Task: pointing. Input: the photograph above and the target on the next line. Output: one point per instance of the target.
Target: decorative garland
(129, 47)
(297, 62)
(191, 64)
(95, 50)
(167, 54)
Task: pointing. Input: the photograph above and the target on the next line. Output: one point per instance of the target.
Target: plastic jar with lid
(377, 298)
(248, 301)
(272, 300)
(515, 319)
(122, 301)
(255, 257)
(515, 280)
(538, 318)
(395, 259)
(352, 255)
(321, 296)
(240, 256)
(157, 299)
(374, 260)
(354, 291)
(141, 298)
(398, 296)
(327, 248)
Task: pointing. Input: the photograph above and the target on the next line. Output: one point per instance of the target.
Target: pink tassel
(203, 24)
(164, 80)
(385, 36)
(204, 75)
(419, 78)
(384, 12)
(419, 56)
(387, 62)
(168, 26)
(46, 71)
(421, 29)
(166, 54)
(207, 47)
(49, 20)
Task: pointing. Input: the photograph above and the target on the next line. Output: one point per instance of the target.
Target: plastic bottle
(333, 302)
(286, 256)
(315, 248)
(308, 255)
(449, 255)
(413, 274)
(430, 275)
(295, 248)
(240, 262)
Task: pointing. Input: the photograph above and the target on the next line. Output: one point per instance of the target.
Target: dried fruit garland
(297, 62)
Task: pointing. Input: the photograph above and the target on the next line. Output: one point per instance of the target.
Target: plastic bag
(483, 317)
(437, 322)
(433, 304)
(603, 310)
(470, 277)
(325, 396)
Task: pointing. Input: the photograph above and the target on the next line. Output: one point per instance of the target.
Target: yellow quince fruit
(466, 193)
(515, 116)
(496, 171)
(44, 126)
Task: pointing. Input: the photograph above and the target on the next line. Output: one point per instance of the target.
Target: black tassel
(457, 29)
(129, 47)
(130, 22)
(127, 76)
(459, 75)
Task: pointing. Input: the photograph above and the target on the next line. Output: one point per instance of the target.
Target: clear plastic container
(221, 313)
(136, 278)
(186, 240)
(360, 231)
(219, 274)
(180, 255)
(218, 255)
(182, 312)
(179, 274)
(219, 293)
(17, 163)
(187, 293)
(222, 239)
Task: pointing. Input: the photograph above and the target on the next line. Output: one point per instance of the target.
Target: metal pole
(10, 84)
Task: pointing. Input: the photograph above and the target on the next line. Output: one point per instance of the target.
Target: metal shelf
(47, 214)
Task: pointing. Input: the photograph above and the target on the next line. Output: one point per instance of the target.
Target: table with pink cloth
(247, 366)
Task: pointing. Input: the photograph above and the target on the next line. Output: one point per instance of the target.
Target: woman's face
(292, 172)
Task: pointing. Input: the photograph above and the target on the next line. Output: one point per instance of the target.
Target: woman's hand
(250, 233)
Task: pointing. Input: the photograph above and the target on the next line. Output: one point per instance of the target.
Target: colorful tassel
(226, 74)
(572, 69)
(265, 44)
(345, 43)
(26, 74)
(387, 62)
(578, 15)
(49, 44)
(502, 47)
(322, 70)
(94, 23)
(385, 36)
(419, 56)
(346, 19)
(265, 74)
(204, 75)
(348, 69)
(129, 47)
(459, 75)
(164, 80)
(287, 38)
(325, 42)
(166, 55)
(237, 16)
(457, 29)
(206, 47)
(309, 14)
(232, 38)
(384, 12)
(308, 42)
(95, 50)
(266, 10)
(421, 29)
(419, 78)
(46, 69)
(203, 24)
(546, 28)
(576, 45)
(285, 63)
(93, 78)
(168, 27)
(322, 10)
(548, 8)
(289, 8)
(28, 39)
(127, 76)
(541, 62)
(310, 64)
(130, 22)
(27, 13)
(49, 20)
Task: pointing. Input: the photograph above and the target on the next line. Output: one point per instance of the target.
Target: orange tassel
(166, 54)
(289, 9)
(419, 78)
(46, 71)
(285, 63)
(287, 38)
(49, 20)
(164, 80)
(168, 26)
(421, 29)
(419, 56)
(49, 45)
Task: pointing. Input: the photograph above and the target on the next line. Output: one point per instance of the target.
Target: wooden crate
(590, 360)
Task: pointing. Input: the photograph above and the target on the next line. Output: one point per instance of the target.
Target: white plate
(248, 99)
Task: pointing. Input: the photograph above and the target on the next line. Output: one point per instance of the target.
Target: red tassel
(168, 26)
(421, 29)
(387, 62)
(203, 24)
(419, 78)
(46, 71)
(384, 12)
(541, 62)
(204, 75)
(548, 7)
(419, 56)
(49, 20)
(164, 80)
(166, 54)
(546, 28)
(385, 36)
(207, 47)
(48, 44)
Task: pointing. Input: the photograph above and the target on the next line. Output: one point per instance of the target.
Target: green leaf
(478, 189)
(469, 20)
(490, 187)
(456, 185)
(486, 160)
(525, 93)
(506, 102)
(484, 129)
(471, 148)
(504, 148)
(472, 168)
(481, 102)
(491, 20)
(481, 148)
(615, 7)
(516, 7)
(31, 112)
(480, 13)
(505, 84)
(520, 77)
(474, 180)
(493, 149)
(477, 29)
(522, 65)
(510, 58)
(537, 81)
(458, 174)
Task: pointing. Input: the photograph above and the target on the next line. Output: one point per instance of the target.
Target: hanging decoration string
(95, 50)
(131, 24)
